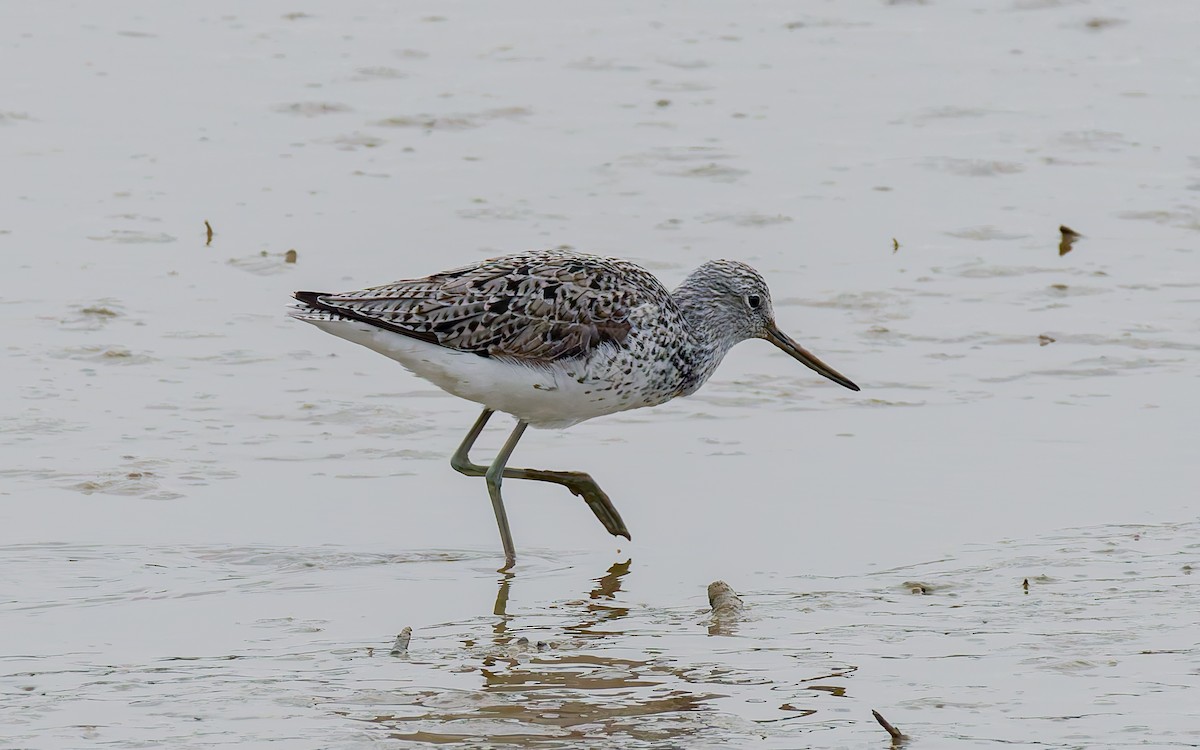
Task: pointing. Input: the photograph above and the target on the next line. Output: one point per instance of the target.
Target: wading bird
(555, 337)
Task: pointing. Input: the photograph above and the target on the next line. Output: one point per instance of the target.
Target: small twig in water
(896, 734)
(208, 232)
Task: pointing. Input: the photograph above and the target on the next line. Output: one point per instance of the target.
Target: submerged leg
(579, 483)
(494, 476)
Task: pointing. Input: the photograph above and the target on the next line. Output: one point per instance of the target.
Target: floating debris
(265, 263)
(522, 646)
(1044, 340)
(723, 600)
(455, 121)
(986, 233)
(311, 109)
(750, 219)
(99, 312)
(133, 237)
(663, 103)
(975, 167)
(1069, 236)
(106, 354)
(355, 141)
(208, 232)
(1097, 24)
(400, 647)
(92, 318)
(726, 607)
(380, 71)
(897, 735)
(800, 711)
(895, 245)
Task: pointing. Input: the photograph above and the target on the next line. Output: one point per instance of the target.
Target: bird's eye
(754, 301)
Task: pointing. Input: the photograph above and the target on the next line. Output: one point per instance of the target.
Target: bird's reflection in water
(599, 607)
(500, 609)
(601, 601)
(606, 589)
(573, 683)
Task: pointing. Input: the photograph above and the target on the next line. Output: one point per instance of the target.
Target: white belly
(547, 396)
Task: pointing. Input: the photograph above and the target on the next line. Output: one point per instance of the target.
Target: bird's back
(552, 336)
(536, 306)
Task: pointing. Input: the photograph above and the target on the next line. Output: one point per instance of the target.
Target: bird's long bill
(807, 358)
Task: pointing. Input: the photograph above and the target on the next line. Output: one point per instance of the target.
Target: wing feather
(538, 306)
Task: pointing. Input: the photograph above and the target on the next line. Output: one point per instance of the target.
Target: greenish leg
(577, 482)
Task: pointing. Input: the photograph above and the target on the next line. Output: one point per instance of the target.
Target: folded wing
(539, 306)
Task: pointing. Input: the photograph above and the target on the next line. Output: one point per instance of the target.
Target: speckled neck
(709, 335)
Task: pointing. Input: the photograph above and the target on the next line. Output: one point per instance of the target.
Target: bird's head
(740, 304)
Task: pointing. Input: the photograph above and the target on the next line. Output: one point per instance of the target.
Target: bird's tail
(308, 307)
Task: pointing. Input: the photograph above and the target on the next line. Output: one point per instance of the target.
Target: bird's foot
(582, 485)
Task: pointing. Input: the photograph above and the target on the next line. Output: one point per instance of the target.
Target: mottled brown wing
(539, 306)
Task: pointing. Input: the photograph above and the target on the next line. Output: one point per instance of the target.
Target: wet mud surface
(214, 521)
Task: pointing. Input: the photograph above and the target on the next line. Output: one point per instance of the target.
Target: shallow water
(1071, 636)
(215, 520)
